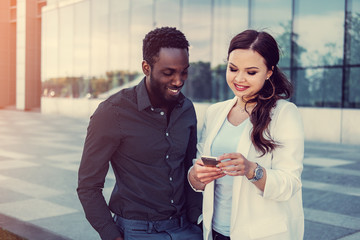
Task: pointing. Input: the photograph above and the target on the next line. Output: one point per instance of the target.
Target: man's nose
(179, 80)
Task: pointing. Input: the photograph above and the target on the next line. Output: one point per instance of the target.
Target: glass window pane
(274, 17)
(230, 18)
(197, 20)
(49, 63)
(320, 87)
(49, 52)
(354, 31)
(66, 39)
(99, 37)
(141, 24)
(82, 39)
(197, 28)
(319, 32)
(119, 42)
(119, 35)
(167, 13)
(354, 88)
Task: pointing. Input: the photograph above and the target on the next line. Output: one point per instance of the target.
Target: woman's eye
(232, 69)
(251, 73)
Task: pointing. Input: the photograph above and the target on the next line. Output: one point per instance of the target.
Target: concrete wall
(72, 107)
(332, 125)
(321, 124)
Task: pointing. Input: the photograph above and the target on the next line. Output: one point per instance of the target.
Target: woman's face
(246, 72)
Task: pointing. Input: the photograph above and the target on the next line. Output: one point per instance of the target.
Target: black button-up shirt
(150, 158)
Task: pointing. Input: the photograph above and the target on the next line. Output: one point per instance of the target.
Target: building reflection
(90, 48)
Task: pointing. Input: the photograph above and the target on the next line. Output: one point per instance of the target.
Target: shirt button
(152, 109)
(162, 113)
(172, 201)
(170, 178)
(167, 134)
(167, 156)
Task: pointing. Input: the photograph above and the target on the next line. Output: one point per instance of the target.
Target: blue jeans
(173, 229)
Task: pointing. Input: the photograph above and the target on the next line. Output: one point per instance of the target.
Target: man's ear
(146, 68)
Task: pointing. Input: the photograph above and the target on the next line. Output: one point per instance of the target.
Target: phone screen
(209, 161)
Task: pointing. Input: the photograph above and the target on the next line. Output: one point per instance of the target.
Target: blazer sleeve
(284, 177)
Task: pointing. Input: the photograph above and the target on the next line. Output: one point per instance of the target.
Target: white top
(226, 141)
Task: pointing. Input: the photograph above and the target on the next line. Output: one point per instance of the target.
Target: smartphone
(210, 161)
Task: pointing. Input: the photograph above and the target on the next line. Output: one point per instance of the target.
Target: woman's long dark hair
(275, 88)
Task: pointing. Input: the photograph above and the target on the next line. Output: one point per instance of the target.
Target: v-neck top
(226, 141)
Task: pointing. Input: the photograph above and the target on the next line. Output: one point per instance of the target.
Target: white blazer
(277, 213)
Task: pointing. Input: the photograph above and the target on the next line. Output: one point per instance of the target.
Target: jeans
(172, 229)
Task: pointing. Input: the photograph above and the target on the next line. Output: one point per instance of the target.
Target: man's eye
(184, 73)
(167, 73)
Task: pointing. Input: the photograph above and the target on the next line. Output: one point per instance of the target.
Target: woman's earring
(273, 91)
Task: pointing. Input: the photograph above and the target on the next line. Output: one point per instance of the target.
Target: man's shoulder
(188, 102)
(122, 100)
(122, 96)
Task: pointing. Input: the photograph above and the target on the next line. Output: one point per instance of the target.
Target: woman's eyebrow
(232, 64)
(245, 68)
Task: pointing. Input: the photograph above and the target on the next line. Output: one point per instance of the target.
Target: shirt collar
(144, 100)
(142, 96)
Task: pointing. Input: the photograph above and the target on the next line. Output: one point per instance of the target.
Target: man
(148, 134)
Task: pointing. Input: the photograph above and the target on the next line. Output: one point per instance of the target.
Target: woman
(255, 190)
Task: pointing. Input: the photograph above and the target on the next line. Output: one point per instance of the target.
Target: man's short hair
(164, 37)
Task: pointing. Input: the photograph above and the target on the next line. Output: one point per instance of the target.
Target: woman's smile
(240, 87)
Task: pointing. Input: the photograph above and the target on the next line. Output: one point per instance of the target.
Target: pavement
(40, 156)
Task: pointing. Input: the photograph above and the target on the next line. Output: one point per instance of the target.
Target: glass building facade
(92, 46)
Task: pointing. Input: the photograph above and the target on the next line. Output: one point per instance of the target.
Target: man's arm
(100, 144)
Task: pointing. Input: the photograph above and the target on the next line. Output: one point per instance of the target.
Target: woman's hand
(200, 175)
(238, 165)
